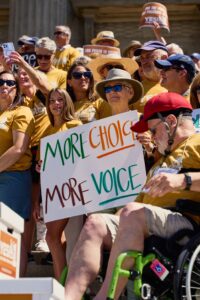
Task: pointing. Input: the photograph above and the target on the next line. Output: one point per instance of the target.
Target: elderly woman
(45, 49)
(16, 128)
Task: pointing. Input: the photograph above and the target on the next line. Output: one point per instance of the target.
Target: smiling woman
(16, 128)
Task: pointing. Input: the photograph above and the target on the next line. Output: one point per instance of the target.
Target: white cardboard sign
(91, 167)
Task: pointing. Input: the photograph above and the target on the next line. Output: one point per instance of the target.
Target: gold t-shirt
(19, 119)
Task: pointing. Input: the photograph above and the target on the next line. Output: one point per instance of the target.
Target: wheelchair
(166, 269)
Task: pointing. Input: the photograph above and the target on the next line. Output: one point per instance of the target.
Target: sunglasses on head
(45, 57)
(60, 32)
(110, 67)
(79, 75)
(8, 82)
(115, 88)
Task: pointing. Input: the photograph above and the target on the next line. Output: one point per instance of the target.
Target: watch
(188, 181)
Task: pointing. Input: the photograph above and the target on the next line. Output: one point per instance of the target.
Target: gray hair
(46, 43)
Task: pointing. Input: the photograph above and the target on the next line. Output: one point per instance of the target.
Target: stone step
(39, 266)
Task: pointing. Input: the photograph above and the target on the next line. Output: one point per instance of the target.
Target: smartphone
(7, 49)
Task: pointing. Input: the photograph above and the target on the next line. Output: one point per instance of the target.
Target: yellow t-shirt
(56, 78)
(19, 119)
(41, 118)
(88, 111)
(150, 89)
(63, 59)
(67, 125)
(189, 152)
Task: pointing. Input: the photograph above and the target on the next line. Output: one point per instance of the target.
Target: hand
(164, 183)
(36, 211)
(16, 58)
(38, 166)
(146, 141)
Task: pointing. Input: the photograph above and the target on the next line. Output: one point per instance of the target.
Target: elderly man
(177, 73)
(168, 117)
(148, 53)
(65, 54)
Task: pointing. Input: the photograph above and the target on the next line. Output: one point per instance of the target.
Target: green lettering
(105, 181)
(119, 181)
(53, 153)
(98, 187)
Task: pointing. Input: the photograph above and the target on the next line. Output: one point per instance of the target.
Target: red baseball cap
(161, 103)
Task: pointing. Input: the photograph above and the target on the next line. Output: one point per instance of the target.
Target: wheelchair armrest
(188, 206)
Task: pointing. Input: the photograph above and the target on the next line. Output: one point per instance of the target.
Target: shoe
(42, 246)
(48, 260)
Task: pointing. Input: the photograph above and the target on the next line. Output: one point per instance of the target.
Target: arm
(34, 75)
(13, 154)
(157, 32)
(164, 183)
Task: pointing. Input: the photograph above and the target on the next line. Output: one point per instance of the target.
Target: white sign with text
(91, 167)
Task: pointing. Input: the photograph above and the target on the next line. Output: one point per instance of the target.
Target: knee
(95, 226)
(133, 213)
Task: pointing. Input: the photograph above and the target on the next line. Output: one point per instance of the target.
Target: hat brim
(96, 64)
(27, 42)
(140, 126)
(95, 40)
(149, 48)
(137, 87)
(162, 64)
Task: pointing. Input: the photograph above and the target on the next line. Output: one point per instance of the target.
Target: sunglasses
(115, 88)
(153, 130)
(8, 82)
(60, 32)
(110, 67)
(45, 57)
(78, 75)
(172, 68)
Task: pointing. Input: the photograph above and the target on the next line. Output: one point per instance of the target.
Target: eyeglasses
(78, 75)
(8, 82)
(45, 57)
(60, 32)
(110, 67)
(154, 128)
(115, 88)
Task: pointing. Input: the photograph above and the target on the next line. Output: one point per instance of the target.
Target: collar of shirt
(64, 47)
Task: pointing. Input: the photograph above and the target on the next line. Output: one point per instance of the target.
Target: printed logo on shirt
(3, 122)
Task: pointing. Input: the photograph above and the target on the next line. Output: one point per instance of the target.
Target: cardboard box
(11, 227)
(31, 289)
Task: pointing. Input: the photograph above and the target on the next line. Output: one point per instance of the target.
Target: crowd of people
(48, 86)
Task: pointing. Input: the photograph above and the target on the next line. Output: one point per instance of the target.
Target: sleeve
(63, 80)
(23, 120)
(103, 109)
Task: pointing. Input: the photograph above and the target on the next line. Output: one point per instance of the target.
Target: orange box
(11, 227)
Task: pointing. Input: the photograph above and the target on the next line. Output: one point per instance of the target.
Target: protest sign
(196, 119)
(92, 167)
(89, 50)
(154, 12)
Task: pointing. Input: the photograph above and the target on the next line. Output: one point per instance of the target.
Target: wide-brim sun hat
(124, 76)
(133, 44)
(95, 65)
(105, 35)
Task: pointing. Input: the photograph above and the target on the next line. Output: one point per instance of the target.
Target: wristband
(188, 181)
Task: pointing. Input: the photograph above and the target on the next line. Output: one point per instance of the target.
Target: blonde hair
(68, 112)
(46, 43)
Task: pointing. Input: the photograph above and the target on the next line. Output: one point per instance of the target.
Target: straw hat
(133, 44)
(124, 76)
(105, 35)
(95, 65)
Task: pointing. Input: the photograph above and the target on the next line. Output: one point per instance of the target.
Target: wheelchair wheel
(193, 276)
(181, 270)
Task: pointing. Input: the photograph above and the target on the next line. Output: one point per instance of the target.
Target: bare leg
(23, 257)
(54, 240)
(86, 257)
(131, 234)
